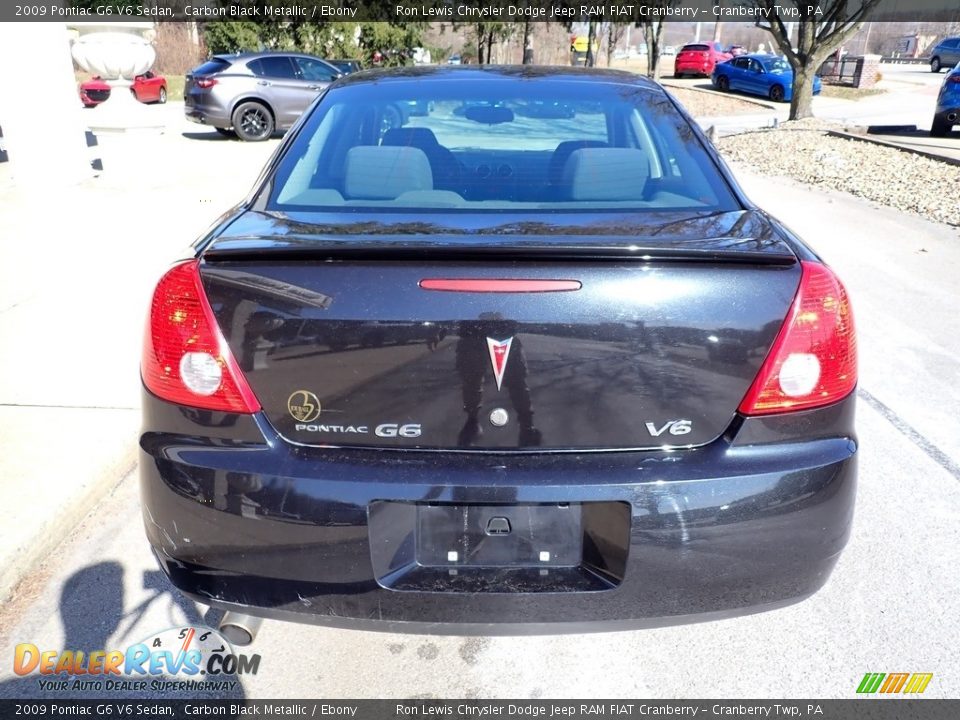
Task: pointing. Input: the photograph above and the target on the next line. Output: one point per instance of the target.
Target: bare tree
(487, 35)
(821, 29)
(591, 44)
(615, 33)
(652, 25)
(527, 43)
(177, 48)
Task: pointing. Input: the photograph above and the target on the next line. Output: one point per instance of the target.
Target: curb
(726, 120)
(735, 96)
(895, 146)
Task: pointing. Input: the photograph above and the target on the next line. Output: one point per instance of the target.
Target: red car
(699, 59)
(146, 88)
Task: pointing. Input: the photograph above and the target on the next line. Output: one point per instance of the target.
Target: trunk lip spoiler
(239, 250)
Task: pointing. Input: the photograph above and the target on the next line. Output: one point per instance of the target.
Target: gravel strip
(700, 103)
(899, 179)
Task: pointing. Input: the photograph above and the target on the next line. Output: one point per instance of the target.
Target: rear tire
(940, 128)
(776, 93)
(162, 97)
(723, 83)
(935, 65)
(253, 121)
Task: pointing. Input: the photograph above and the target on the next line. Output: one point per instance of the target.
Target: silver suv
(254, 94)
(946, 54)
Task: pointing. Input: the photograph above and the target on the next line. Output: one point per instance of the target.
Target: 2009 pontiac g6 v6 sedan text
(528, 362)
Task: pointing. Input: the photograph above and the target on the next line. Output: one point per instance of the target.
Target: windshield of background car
(473, 144)
(776, 65)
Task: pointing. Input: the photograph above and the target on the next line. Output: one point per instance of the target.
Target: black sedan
(495, 371)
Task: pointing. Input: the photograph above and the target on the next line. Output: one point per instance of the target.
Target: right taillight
(206, 83)
(813, 361)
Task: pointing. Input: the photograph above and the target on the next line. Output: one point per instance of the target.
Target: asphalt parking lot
(891, 604)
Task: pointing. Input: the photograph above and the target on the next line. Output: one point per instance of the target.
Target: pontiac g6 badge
(499, 353)
(304, 406)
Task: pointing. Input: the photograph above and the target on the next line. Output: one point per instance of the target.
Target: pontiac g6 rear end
(529, 362)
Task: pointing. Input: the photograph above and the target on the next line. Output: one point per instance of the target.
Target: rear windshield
(500, 144)
(697, 48)
(211, 66)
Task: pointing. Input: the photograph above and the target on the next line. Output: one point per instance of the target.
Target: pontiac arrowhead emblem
(499, 352)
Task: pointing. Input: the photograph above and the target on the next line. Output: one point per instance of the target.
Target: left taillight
(186, 359)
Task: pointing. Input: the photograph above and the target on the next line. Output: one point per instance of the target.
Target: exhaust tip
(238, 629)
(952, 117)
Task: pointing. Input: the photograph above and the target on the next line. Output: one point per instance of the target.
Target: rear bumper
(240, 520)
(215, 117)
(944, 114)
(694, 68)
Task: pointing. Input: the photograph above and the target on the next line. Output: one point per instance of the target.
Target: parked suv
(946, 54)
(254, 94)
(699, 59)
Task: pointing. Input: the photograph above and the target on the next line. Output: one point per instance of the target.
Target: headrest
(562, 153)
(410, 136)
(606, 174)
(382, 173)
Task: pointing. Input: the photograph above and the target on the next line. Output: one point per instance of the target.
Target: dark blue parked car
(948, 104)
(758, 74)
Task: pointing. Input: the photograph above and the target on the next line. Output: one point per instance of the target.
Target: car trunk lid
(491, 343)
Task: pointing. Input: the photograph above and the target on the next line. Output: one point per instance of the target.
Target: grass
(175, 87)
(845, 92)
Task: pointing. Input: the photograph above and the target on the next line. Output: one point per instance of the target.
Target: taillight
(185, 357)
(813, 361)
(206, 83)
(954, 79)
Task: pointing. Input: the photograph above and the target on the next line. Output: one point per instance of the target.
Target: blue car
(758, 74)
(948, 104)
